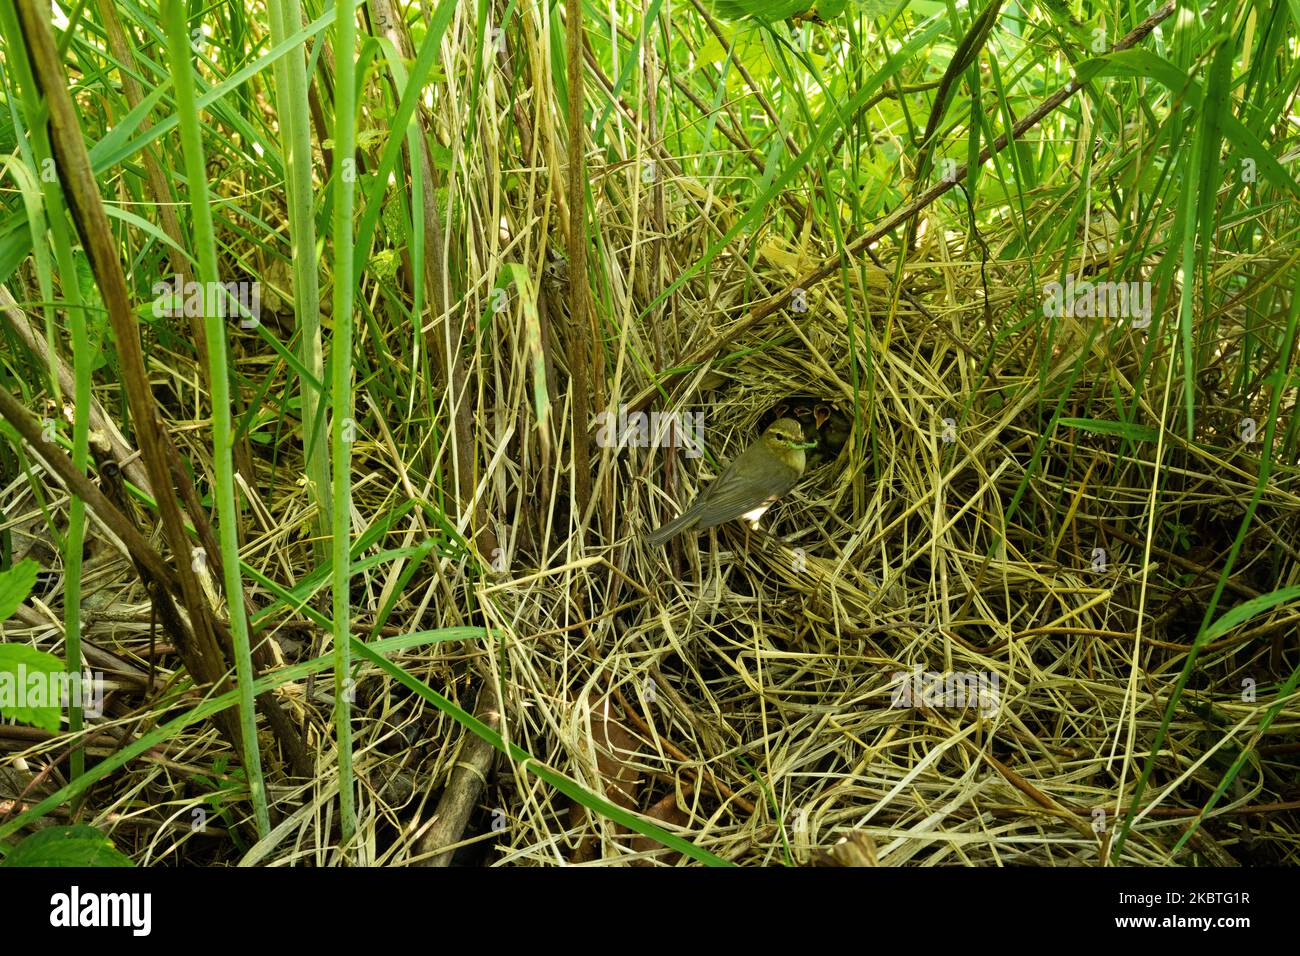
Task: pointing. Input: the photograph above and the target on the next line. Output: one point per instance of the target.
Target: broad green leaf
(69, 846)
(15, 585)
(24, 699)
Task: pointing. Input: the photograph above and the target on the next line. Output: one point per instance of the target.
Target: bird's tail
(671, 529)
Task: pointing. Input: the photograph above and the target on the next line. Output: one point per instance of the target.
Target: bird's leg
(749, 526)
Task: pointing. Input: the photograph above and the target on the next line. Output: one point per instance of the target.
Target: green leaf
(769, 11)
(78, 845)
(18, 665)
(441, 156)
(1244, 612)
(713, 51)
(15, 585)
(1106, 427)
(384, 264)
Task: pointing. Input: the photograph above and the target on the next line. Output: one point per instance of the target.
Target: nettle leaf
(19, 664)
(369, 138)
(78, 845)
(15, 585)
(384, 264)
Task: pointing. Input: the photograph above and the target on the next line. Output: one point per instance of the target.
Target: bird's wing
(734, 493)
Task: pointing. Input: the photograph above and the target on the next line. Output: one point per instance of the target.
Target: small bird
(822, 423)
(758, 476)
